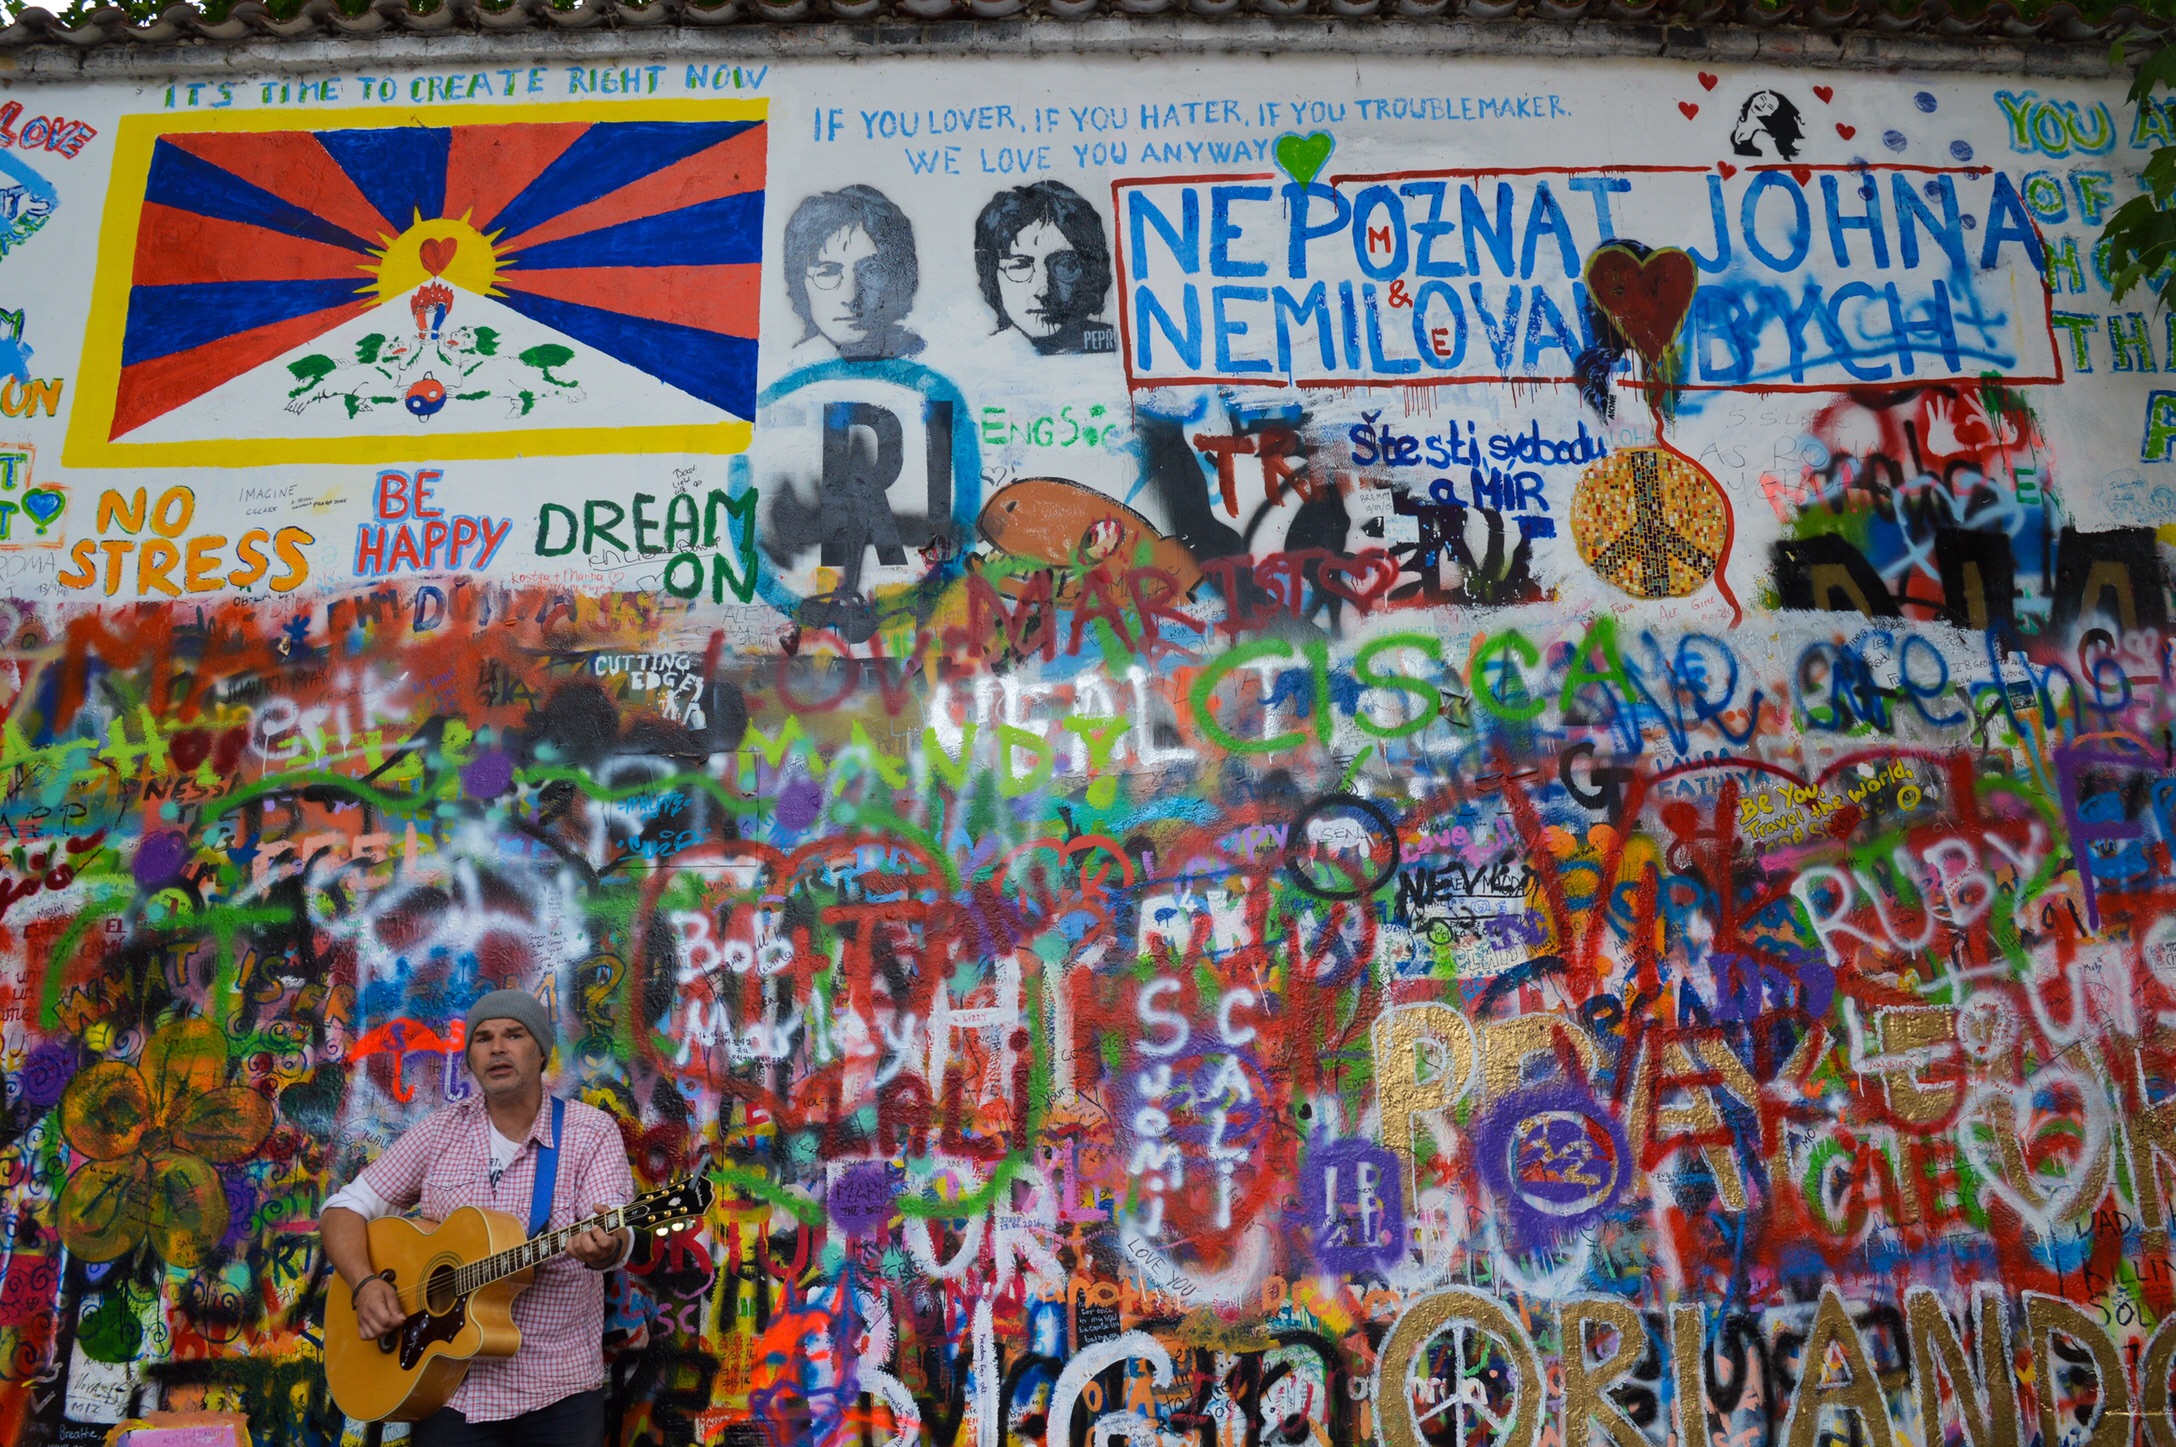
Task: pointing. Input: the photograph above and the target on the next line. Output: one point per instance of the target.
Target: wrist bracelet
(355, 1292)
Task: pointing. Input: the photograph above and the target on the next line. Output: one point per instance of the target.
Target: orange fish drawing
(1059, 523)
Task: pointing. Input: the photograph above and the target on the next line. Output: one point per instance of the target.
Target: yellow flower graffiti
(153, 1131)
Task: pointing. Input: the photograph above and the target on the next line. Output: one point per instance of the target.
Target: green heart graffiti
(1303, 157)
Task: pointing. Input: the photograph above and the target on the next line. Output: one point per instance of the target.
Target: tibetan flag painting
(452, 282)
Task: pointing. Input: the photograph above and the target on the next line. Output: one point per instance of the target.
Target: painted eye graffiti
(1102, 539)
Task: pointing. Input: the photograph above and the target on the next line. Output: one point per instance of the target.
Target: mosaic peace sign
(1650, 521)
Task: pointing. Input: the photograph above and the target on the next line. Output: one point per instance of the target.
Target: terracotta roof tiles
(252, 20)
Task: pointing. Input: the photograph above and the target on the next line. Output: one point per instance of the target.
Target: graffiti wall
(1360, 750)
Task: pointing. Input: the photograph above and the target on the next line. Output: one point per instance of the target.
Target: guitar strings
(480, 1273)
(535, 1251)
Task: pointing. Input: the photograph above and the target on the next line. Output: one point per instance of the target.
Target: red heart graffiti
(1727, 169)
(1372, 573)
(437, 254)
(1847, 132)
(1802, 174)
(1688, 108)
(1707, 82)
(1646, 298)
(1827, 93)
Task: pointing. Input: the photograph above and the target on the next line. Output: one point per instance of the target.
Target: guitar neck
(534, 1252)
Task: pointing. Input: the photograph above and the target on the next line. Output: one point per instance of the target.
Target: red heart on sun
(1827, 93)
(1847, 132)
(437, 254)
(1646, 298)
(1688, 108)
(1727, 169)
(1707, 82)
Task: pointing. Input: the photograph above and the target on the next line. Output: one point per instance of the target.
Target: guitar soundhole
(438, 1292)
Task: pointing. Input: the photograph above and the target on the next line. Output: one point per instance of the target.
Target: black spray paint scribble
(853, 509)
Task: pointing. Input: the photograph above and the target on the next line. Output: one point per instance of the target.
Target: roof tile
(248, 20)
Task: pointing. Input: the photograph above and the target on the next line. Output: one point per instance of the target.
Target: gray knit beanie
(514, 1005)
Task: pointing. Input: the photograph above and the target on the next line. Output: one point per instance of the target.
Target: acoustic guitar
(457, 1283)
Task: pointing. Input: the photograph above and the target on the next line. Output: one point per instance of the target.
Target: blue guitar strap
(547, 1171)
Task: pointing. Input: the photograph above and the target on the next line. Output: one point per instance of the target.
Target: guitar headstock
(671, 1207)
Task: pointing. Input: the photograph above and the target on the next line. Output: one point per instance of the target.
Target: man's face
(1036, 277)
(834, 278)
(504, 1057)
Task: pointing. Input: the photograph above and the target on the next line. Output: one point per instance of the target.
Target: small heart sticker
(1827, 93)
(1688, 108)
(1727, 169)
(437, 254)
(1303, 157)
(44, 504)
(1707, 82)
(1847, 132)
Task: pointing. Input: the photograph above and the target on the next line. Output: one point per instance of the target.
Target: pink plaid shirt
(444, 1163)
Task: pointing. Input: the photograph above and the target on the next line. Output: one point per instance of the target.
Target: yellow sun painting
(450, 249)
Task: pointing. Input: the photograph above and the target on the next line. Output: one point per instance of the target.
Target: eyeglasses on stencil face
(1066, 267)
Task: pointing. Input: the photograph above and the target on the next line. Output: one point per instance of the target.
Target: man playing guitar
(484, 1152)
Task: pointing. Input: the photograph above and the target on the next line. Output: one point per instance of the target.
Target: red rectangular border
(1125, 330)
